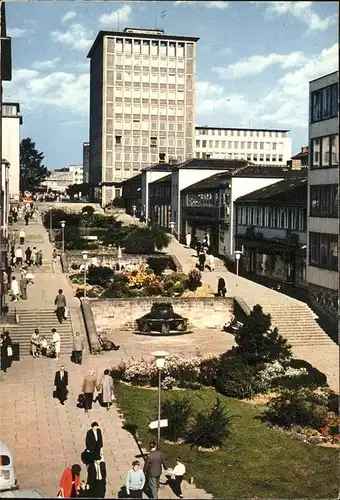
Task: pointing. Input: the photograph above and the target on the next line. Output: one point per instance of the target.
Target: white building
(11, 121)
(61, 178)
(323, 191)
(259, 146)
(142, 104)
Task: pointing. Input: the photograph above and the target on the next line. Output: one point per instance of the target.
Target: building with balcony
(11, 121)
(271, 229)
(142, 104)
(323, 194)
(259, 146)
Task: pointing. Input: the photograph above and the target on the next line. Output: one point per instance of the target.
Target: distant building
(11, 121)
(61, 178)
(142, 104)
(323, 188)
(299, 160)
(86, 161)
(259, 146)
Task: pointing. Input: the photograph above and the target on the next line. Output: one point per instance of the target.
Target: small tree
(194, 279)
(258, 343)
(211, 430)
(32, 171)
(177, 410)
(144, 240)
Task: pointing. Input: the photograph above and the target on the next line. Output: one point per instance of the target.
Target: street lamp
(172, 227)
(85, 255)
(62, 223)
(238, 254)
(160, 361)
(134, 208)
(51, 209)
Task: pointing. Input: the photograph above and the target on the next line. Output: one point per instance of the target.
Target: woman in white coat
(107, 389)
(15, 289)
(56, 342)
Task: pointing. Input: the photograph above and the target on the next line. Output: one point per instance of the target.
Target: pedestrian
(39, 258)
(6, 351)
(94, 442)
(15, 289)
(60, 302)
(106, 385)
(34, 256)
(153, 469)
(177, 477)
(78, 347)
(211, 262)
(27, 218)
(201, 260)
(70, 482)
(90, 384)
(54, 255)
(135, 481)
(22, 236)
(96, 478)
(23, 284)
(5, 282)
(15, 214)
(61, 384)
(56, 342)
(221, 287)
(198, 247)
(28, 255)
(188, 240)
(35, 344)
(18, 256)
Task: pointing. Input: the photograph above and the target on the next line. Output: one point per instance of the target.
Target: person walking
(61, 384)
(201, 260)
(78, 347)
(198, 247)
(70, 482)
(5, 282)
(94, 442)
(39, 258)
(28, 255)
(18, 256)
(135, 481)
(106, 385)
(22, 236)
(96, 478)
(221, 287)
(188, 239)
(23, 284)
(177, 477)
(56, 342)
(90, 384)
(35, 344)
(6, 351)
(27, 218)
(211, 262)
(60, 302)
(15, 289)
(153, 469)
(34, 256)
(54, 255)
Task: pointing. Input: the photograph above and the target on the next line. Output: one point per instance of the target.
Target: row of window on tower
(150, 47)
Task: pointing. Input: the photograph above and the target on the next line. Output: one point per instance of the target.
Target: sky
(254, 62)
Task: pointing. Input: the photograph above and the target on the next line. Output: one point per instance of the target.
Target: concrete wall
(202, 312)
(11, 151)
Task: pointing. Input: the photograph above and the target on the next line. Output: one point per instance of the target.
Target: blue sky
(254, 62)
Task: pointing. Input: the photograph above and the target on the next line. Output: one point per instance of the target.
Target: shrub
(58, 214)
(236, 378)
(88, 210)
(99, 275)
(159, 264)
(210, 431)
(208, 371)
(194, 279)
(298, 407)
(258, 343)
(177, 410)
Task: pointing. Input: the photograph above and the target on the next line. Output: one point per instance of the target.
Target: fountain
(162, 320)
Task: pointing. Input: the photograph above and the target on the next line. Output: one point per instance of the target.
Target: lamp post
(62, 223)
(134, 208)
(85, 255)
(160, 361)
(238, 254)
(172, 227)
(51, 212)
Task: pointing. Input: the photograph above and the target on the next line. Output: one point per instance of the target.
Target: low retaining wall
(202, 312)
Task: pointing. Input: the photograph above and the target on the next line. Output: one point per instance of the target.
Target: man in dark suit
(153, 469)
(96, 478)
(94, 441)
(61, 384)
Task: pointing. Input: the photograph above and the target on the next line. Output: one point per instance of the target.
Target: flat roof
(123, 34)
(323, 76)
(199, 127)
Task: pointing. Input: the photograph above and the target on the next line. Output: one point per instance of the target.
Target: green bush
(144, 240)
(177, 410)
(58, 214)
(237, 379)
(101, 276)
(159, 264)
(210, 431)
(88, 209)
(298, 407)
(208, 371)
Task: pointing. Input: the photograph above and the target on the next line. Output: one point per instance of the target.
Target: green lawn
(255, 460)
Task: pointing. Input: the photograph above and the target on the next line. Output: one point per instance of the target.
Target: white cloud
(254, 65)
(122, 15)
(46, 64)
(216, 5)
(77, 37)
(19, 32)
(302, 11)
(68, 16)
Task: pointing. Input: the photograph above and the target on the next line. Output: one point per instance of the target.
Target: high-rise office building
(142, 104)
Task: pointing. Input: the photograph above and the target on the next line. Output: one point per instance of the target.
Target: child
(177, 477)
(135, 481)
(43, 346)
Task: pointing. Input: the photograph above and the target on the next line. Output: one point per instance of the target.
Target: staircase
(45, 320)
(296, 322)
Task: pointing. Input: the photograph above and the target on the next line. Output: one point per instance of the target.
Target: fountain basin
(162, 320)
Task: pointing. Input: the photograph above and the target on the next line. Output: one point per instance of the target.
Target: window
(236, 144)
(211, 144)
(323, 250)
(217, 144)
(274, 145)
(118, 76)
(230, 144)
(238, 132)
(334, 149)
(280, 157)
(198, 143)
(316, 149)
(204, 144)
(153, 142)
(261, 157)
(118, 156)
(254, 157)
(179, 143)
(255, 145)
(127, 157)
(127, 141)
(243, 144)
(118, 139)
(179, 127)
(325, 157)
(109, 142)
(325, 103)
(325, 151)
(261, 145)
(268, 146)
(267, 157)
(249, 145)
(335, 100)
(324, 200)
(162, 126)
